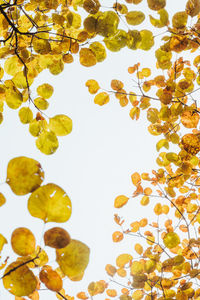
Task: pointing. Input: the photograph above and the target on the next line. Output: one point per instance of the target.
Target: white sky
(93, 164)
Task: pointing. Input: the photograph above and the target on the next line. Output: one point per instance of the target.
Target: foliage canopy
(38, 35)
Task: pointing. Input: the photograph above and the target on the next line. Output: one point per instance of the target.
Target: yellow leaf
(120, 201)
(45, 90)
(192, 7)
(93, 86)
(25, 115)
(117, 41)
(2, 199)
(60, 124)
(147, 40)
(37, 126)
(21, 81)
(156, 4)
(74, 258)
(41, 103)
(21, 281)
(123, 259)
(12, 65)
(179, 20)
(138, 249)
(99, 50)
(137, 295)
(47, 142)
(3, 241)
(101, 98)
(111, 270)
(107, 23)
(134, 17)
(137, 268)
(117, 85)
(13, 98)
(136, 178)
(171, 240)
(24, 175)
(23, 241)
(56, 237)
(111, 292)
(144, 201)
(162, 143)
(87, 57)
(50, 203)
(163, 20)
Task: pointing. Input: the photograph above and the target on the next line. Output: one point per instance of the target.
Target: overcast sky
(93, 164)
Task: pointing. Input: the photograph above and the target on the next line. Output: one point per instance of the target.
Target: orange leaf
(117, 236)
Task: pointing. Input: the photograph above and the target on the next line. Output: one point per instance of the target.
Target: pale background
(93, 164)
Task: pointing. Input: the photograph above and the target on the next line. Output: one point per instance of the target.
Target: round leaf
(50, 203)
(47, 142)
(45, 90)
(61, 125)
(135, 17)
(25, 115)
(73, 259)
(23, 241)
(24, 175)
(171, 240)
(56, 238)
(21, 281)
(51, 279)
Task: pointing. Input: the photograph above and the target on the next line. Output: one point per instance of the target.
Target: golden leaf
(24, 175)
(50, 203)
(73, 259)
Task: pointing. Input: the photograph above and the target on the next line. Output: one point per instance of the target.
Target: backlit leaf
(123, 259)
(93, 86)
(190, 119)
(179, 19)
(45, 90)
(156, 4)
(2, 199)
(135, 17)
(74, 258)
(192, 7)
(191, 143)
(51, 279)
(56, 237)
(99, 50)
(23, 241)
(117, 236)
(87, 57)
(101, 98)
(47, 142)
(25, 115)
(136, 178)
(162, 21)
(21, 281)
(3, 241)
(120, 201)
(24, 175)
(60, 124)
(171, 240)
(50, 203)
